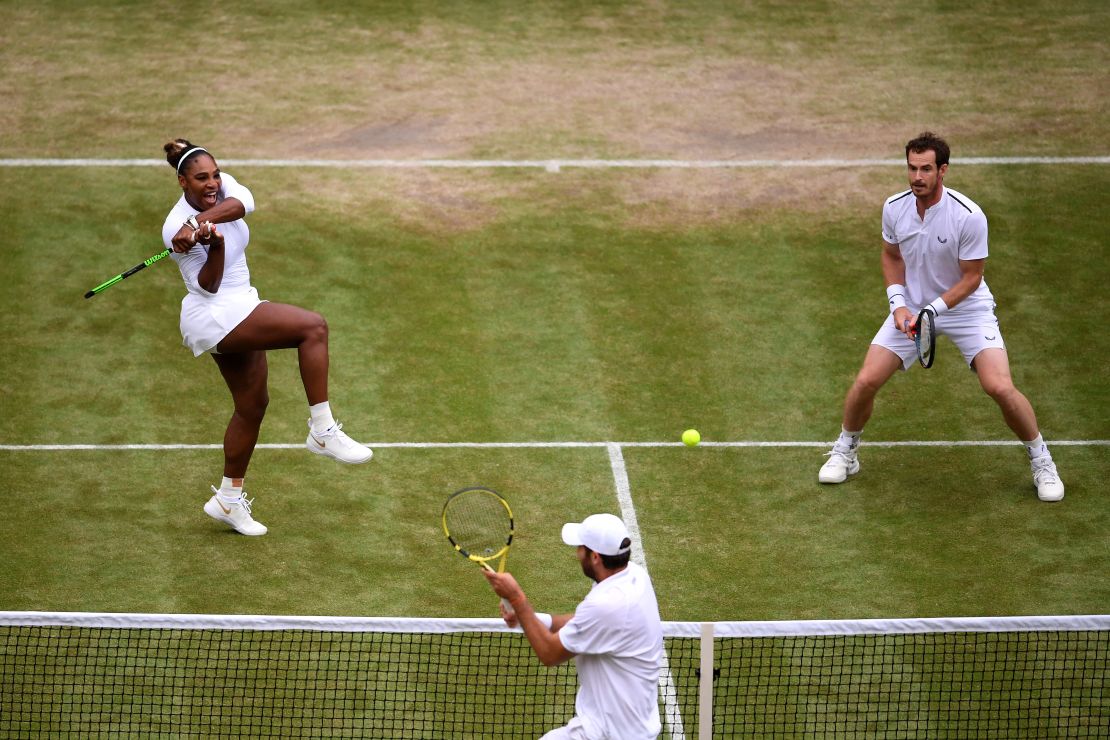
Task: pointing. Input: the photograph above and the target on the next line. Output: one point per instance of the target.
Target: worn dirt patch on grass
(453, 202)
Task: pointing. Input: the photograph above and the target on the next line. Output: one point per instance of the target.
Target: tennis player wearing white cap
(615, 636)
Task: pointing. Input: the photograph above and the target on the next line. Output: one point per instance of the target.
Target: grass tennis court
(518, 305)
(589, 330)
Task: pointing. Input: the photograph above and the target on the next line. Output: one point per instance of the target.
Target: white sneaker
(841, 464)
(238, 515)
(1047, 480)
(334, 443)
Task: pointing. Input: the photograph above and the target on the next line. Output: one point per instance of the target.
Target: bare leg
(878, 367)
(993, 368)
(281, 326)
(245, 374)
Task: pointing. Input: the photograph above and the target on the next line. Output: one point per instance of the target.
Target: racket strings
(478, 523)
(924, 336)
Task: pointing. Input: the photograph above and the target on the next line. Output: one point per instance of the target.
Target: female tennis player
(222, 315)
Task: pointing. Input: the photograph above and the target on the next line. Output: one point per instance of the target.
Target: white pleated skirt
(205, 321)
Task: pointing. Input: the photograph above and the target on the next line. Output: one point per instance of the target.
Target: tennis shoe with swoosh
(842, 464)
(237, 515)
(335, 443)
(1046, 479)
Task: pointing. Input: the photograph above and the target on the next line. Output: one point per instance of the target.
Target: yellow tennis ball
(691, 437)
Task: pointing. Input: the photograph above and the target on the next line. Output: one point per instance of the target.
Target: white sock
(322, 420)
(231, 490)
(1037, 448)
(849, 439)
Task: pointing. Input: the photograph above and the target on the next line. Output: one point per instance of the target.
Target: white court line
(675, 728)
(542, 445)
(551, 165)
(624, 498)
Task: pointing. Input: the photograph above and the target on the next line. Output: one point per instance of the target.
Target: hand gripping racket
(479, 524)
(145, 263)
(924, 336)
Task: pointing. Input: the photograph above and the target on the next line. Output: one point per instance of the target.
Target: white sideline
(550, 165)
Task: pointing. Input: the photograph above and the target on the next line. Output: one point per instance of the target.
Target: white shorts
(206, 321)
(971, 333)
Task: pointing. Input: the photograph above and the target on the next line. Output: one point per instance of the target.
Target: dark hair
(927, 140)
(176, 148)
(612, 562)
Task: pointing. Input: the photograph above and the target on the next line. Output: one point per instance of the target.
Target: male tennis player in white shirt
(934, 250)
(615, 636)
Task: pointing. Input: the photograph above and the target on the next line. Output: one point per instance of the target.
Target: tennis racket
(479, 525)
(142, 265)
(924, 336)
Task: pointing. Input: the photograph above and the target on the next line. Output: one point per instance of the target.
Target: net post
(705, 687)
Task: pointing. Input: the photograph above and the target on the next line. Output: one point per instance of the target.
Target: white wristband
(896, 296)
(545, 618)
(938, 306)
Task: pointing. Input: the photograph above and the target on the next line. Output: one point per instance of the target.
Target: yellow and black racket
(479, 524)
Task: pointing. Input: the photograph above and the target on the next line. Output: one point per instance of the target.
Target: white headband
(186, 156)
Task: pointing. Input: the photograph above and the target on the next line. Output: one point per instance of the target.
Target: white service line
(624, 498)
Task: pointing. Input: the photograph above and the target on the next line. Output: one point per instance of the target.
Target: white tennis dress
(206, 318)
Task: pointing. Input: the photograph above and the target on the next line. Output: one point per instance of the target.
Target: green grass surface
(555, 321)
(521, 306)
(503, 79)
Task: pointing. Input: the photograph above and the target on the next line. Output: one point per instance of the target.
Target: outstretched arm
(549, 648)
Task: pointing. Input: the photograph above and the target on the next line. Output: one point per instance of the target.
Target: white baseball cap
(602, 533)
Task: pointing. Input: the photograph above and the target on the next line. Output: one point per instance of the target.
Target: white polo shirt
(617, 637)
(953, 229)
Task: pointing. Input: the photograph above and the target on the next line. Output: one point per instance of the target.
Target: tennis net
(147, 675)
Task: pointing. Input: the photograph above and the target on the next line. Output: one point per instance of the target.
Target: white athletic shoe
(238, 515)
(841, 464)
(1047, 480)
(334, 443)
